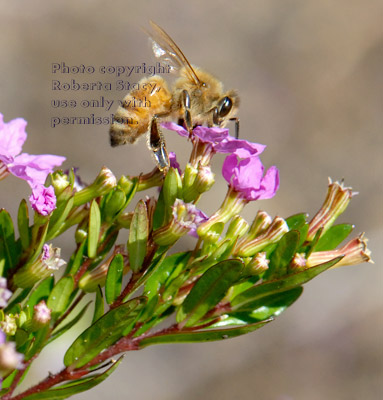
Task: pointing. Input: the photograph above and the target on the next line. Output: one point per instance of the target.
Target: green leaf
(58, 217)
(69, 325)
(296, 221)
(268, 306)
(60, 296)
(249, 299)
(138, 236)
(41, 337)
(333, 237)
(148, 273)
(8, 250)
(170, 267)
(282, 255)
(209, 290)
(23, 224)
(94, 229)
(102, 334)
(159, 212)
(41, 292)
(115, 203)
(76, 259)
(114, 278)
(65, 391)
(201, 336)
(98, 306)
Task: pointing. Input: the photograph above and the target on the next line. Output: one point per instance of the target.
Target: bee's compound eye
(225, 106)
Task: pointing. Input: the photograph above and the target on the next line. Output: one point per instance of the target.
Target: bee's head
(226, 108)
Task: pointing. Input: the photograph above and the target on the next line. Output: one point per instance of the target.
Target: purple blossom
(174, 163)
(32, 168)
(43, 199)
(188, 216)
(219, 140)
(5, 294)
(246, 176)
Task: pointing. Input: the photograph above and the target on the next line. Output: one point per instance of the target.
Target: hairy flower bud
(48, 262)
(257, 265)
(103, 184)
(9, 325)
(336, 202)
(354, 252)
(272, 235)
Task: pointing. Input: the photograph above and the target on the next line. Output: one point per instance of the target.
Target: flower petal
(12, 138)
(34, 168)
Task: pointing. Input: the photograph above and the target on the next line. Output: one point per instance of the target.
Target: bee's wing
(165, 49)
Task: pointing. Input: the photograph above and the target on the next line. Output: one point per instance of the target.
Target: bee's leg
(156, 143)
(187, 116)
(236, 126)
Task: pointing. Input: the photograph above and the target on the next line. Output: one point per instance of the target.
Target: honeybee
(196, 98)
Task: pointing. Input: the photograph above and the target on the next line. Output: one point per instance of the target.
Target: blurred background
(310, 78)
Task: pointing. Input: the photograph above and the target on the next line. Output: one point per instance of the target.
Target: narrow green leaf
(7, 240)
(102, 334)
(98, 305)
(76, 259)
(209, 290)
(41, 337)
(249, 299)
(94, 229)
(148, 273)
(60, 296)
(202, 336)
(159, 212)
(333, 237)
(23, 224)
(282, 255)
(41, 292)
(268, 306)
(114, 278)
(57, 333)
(58, 217)
(138, 236)
(169, 267)
(65, 391)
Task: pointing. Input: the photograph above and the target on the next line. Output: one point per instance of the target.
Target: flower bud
(298, 263)
(237, 228)
(257, 265)
(354, 252)
(60, 181)
(9, 325)
(336, 202)
(232, 205)
(272, 235)
(102, 185)
(204, 180)
(42, 314)
(48, 262)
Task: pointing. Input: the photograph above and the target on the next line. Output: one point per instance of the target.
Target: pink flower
(32, 168)
(219, 140)
(246, 177)
(43, 199)
(174, 163)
